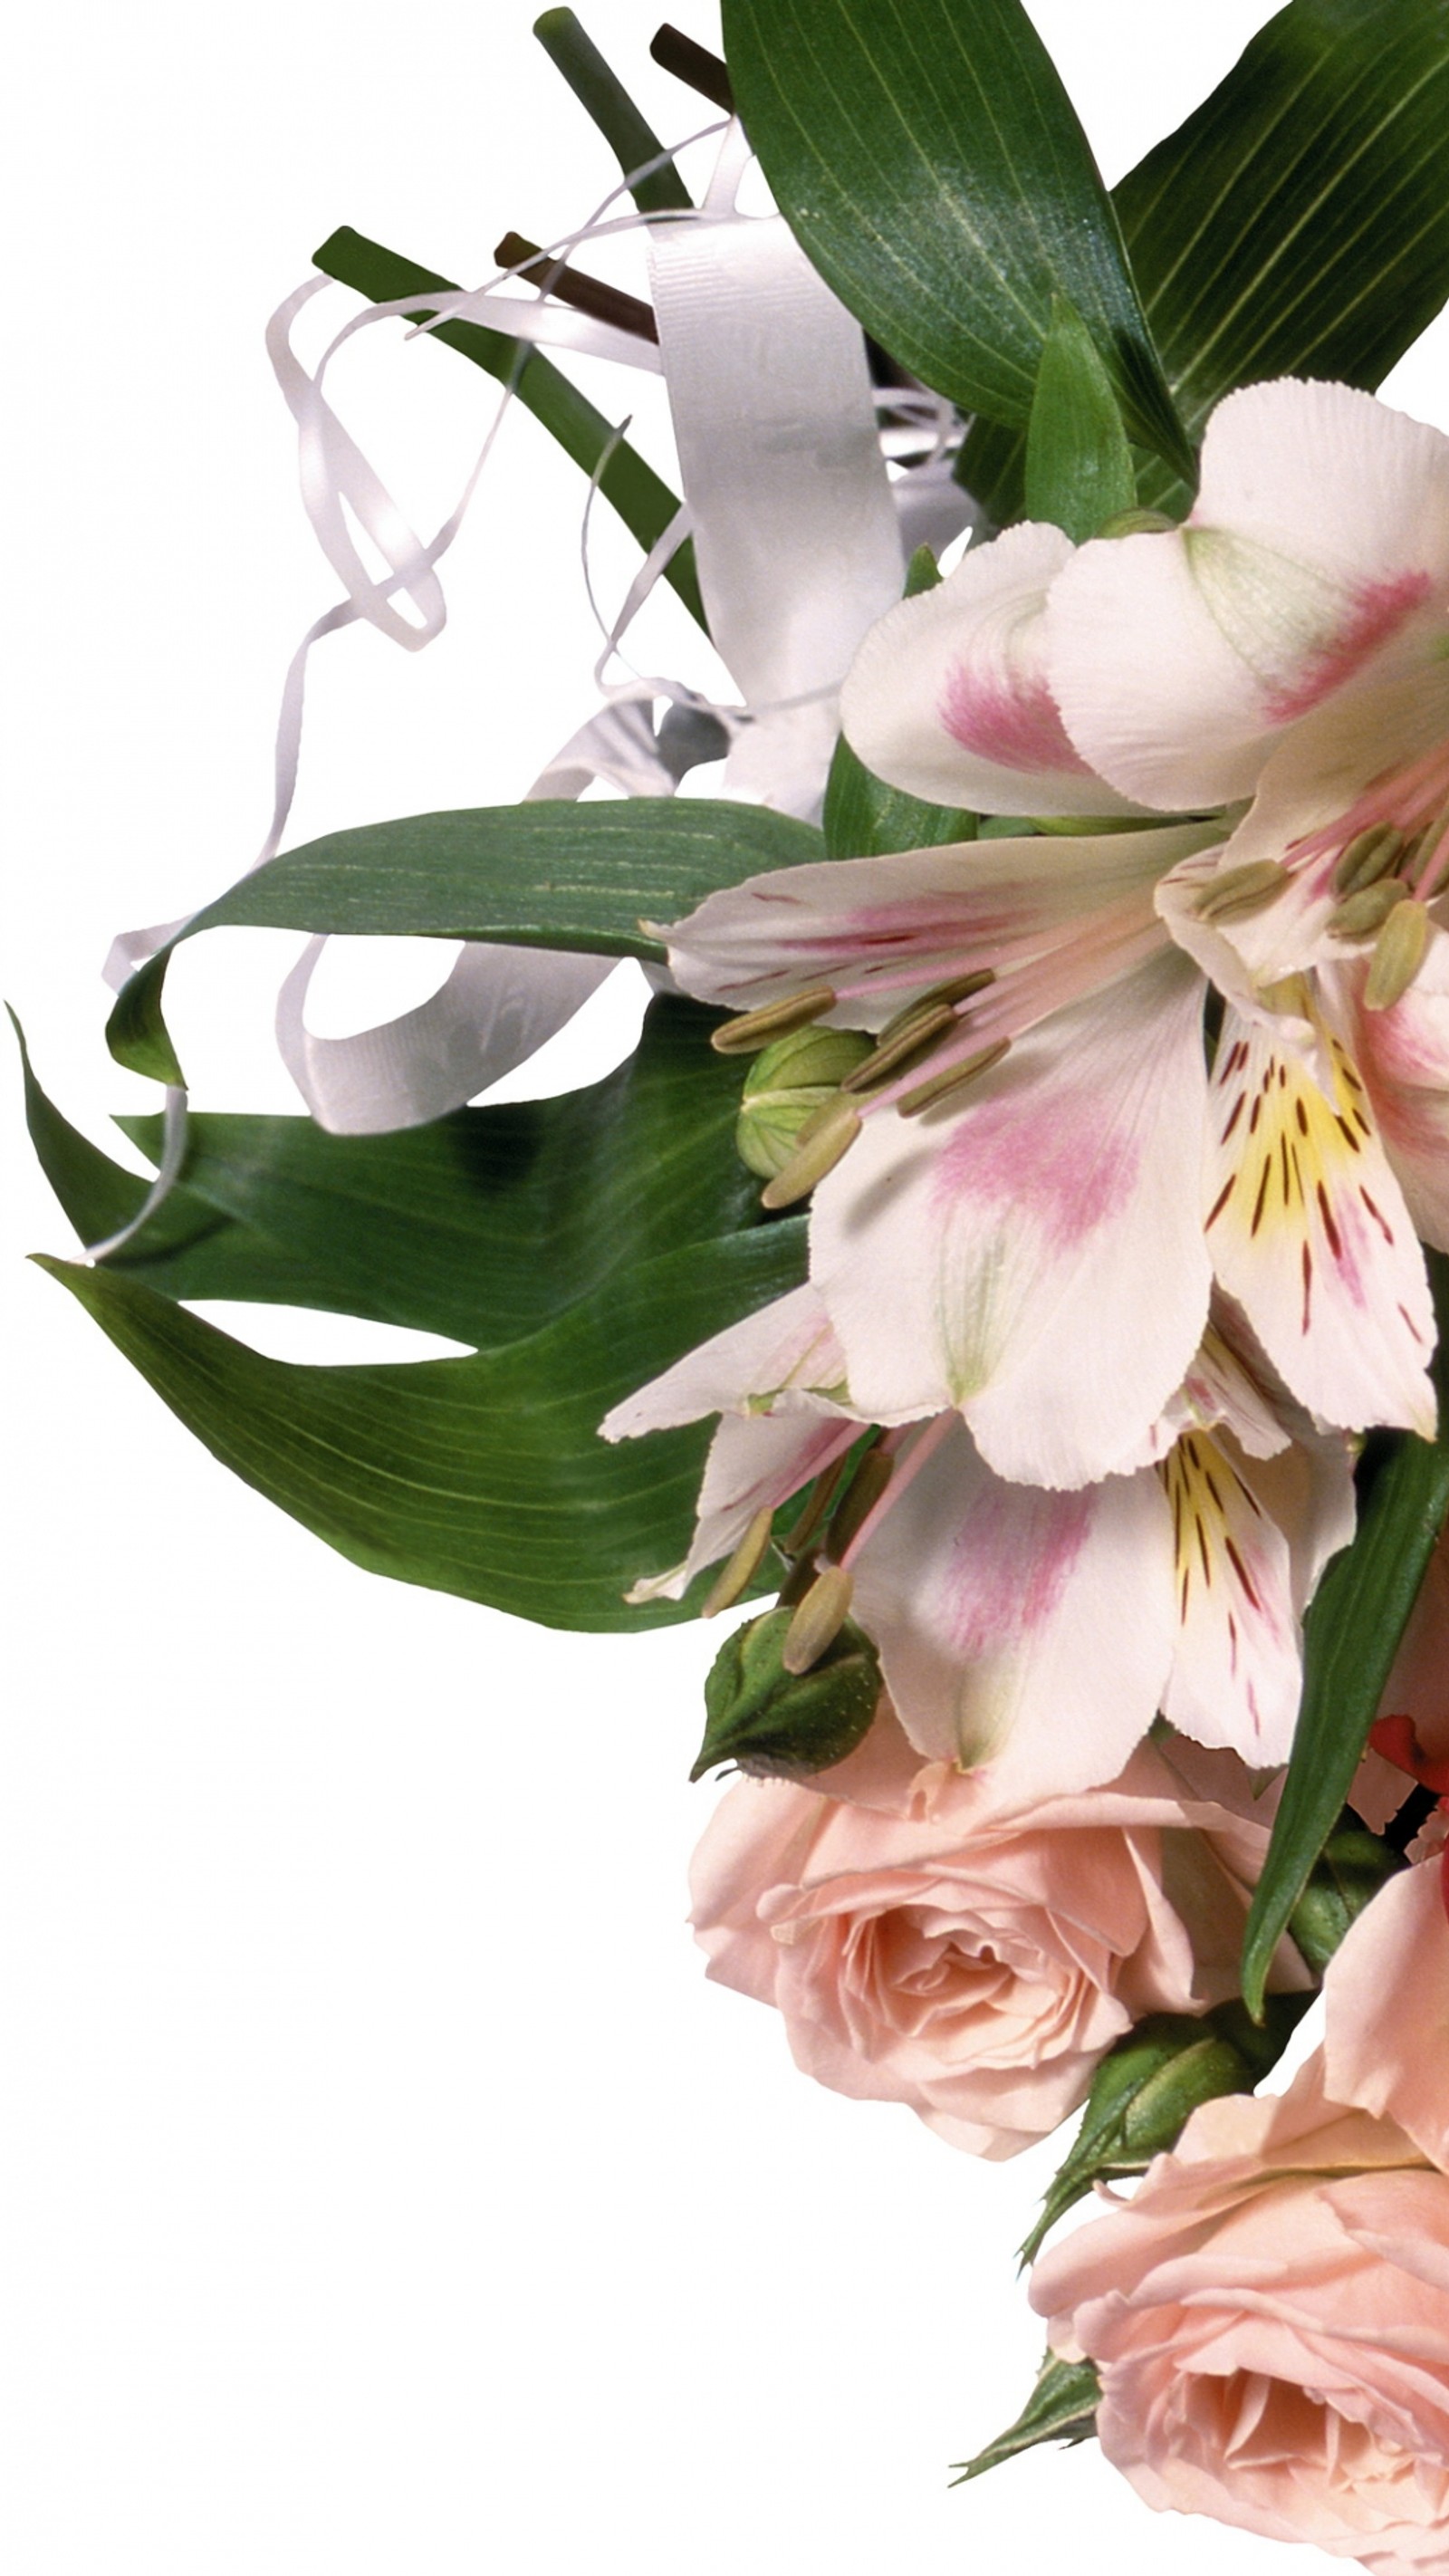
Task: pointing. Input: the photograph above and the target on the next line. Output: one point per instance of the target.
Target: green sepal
(935, 172)
(482, 1476)
(1347, 1875)
(1149, 2084)
(1350, 1637)
(784, 1725)
(550, 874)
(1062, 2407)
(1079, 470)
(643, 500)
(862, 816)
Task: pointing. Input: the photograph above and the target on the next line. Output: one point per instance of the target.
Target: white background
(382, 2188)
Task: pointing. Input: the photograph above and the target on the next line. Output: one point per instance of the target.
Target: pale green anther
(787, 1086)
(738, 1572)
(1136, 523)
(1241, 890)
(1398, 956)
(952, 1078)
(959, 989)
(756, 1029)
(918, 1037)
(1361, 914)
(818, 1148)
(818, 1620)
(1368, 856)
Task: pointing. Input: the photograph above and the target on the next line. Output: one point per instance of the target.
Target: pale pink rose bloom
(931, 1942)
(1417, 1690)
(1270, 2314)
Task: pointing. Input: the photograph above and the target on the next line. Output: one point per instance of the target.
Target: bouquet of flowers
(1005, 1285)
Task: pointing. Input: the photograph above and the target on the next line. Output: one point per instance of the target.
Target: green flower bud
(786, 1085)
(780, 1724)
(1349, 1871)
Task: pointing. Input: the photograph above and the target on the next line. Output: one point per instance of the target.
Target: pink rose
(1413, 1715)
(1270, 2313)
(929, 1942)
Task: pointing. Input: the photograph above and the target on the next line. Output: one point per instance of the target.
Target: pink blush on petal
(1016, 727)
(1010, 1565)
(1379, 609)
(1049, 1161)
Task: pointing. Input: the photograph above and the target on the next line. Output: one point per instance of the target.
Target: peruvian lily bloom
(1027, 1192)
(1040, 1632)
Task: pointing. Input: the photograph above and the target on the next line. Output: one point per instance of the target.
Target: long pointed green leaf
(1296, 224)
(1078, 464)
(932, 166)
(481, 1476)
(482, 1226)
(545, 875)
(1299, 222)
(643, 500)
(1351, 1635)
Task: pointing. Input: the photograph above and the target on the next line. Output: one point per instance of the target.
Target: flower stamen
(737, 1571)
(755, 1030)
(1239, 891)
(1363, 913)
(819, 1619)
(822, 1141)
(952, 1078)
(1399, 952)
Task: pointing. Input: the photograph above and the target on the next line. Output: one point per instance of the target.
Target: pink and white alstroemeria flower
(1040, 1632)
(1031, 1235)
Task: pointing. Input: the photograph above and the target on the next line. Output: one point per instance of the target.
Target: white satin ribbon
(499, 1005)
(796, 534)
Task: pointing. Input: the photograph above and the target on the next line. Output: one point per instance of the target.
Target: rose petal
(1386, 2027)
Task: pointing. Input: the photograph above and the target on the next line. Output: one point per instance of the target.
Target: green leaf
(606, 100)
(933, 168)
(1147, 2086)
(544, 875)
(482, 1226)
(644, 502)
(482, 1476)
(1351, 1635)
(1296, 224)
(1079, 469)
(862, 815)
(1062, 2407)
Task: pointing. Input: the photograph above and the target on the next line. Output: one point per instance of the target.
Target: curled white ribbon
(798, 534)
